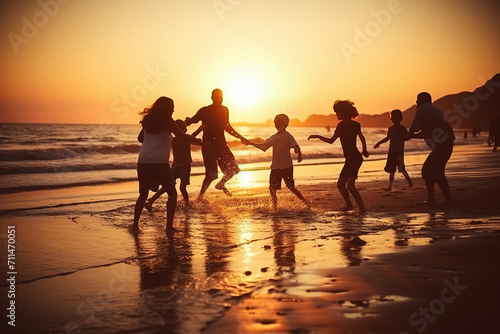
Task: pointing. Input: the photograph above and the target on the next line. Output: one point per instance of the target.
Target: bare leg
(299, 195)
(274, 198)
(391, 182)
(171, 205)
(149, 202)
(407, 177)
(221, 185)
(445, 188)
(184, 192)
(341, 185)
(429, 184)
(204, 186)
(139, 205)
(355, 193)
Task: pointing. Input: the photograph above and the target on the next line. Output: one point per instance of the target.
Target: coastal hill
(464, 110)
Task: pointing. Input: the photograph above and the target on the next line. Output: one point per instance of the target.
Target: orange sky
(103, 61)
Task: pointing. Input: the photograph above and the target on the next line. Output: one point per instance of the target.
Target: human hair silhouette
(155, 118)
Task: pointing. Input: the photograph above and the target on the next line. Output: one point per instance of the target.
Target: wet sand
(234, 266)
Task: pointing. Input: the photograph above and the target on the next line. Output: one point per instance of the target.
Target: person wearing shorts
(153, 169)
(215, 120)
(396, 135)
(181, 166)
(438, 134)
(434, 166)
(153, 175)
(348, 130)
(282, 165)
(221, 156)
(277, 175)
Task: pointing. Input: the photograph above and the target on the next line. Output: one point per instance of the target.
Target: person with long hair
(348, 130)
(153, 168)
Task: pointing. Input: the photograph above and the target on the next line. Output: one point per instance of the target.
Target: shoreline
(461, 170)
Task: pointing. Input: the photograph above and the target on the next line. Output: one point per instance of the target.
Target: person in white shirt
(153, 169)
(282, 165)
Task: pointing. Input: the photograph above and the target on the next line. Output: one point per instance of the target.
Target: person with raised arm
(348, 131)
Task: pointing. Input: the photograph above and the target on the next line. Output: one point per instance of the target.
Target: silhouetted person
(282, 165)
(437, 132)
(491, 132)
(348, 131)
(396, 135)
(215, 118)
(465, 134)
(153, 169)
(494, 135)
(474, 131)
(181, 166)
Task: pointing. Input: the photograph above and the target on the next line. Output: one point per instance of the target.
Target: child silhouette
(282, 165)
(181, 166)
(348, 130)
(396, 135)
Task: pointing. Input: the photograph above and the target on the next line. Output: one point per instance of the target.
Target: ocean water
(49, 156)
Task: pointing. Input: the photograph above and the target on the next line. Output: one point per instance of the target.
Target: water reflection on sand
(217, 258)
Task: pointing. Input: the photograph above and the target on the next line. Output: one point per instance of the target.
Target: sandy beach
(234, 266)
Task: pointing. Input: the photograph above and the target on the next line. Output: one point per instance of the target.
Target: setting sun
(244, 88)
(291, 56)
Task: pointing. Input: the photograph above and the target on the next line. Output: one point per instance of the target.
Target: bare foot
(387, 189)
(220, 186)
(201, 199)
(446, 202)
(347, 208)
(410, 184)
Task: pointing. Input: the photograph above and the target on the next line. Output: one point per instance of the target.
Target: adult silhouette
(215, 119)
(438, 134)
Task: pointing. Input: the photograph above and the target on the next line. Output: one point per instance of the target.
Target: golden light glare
(245, 179)
(244, 88)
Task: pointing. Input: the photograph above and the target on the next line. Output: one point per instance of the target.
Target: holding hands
(197, 141)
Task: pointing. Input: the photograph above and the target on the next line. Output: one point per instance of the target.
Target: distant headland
(464, 110)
